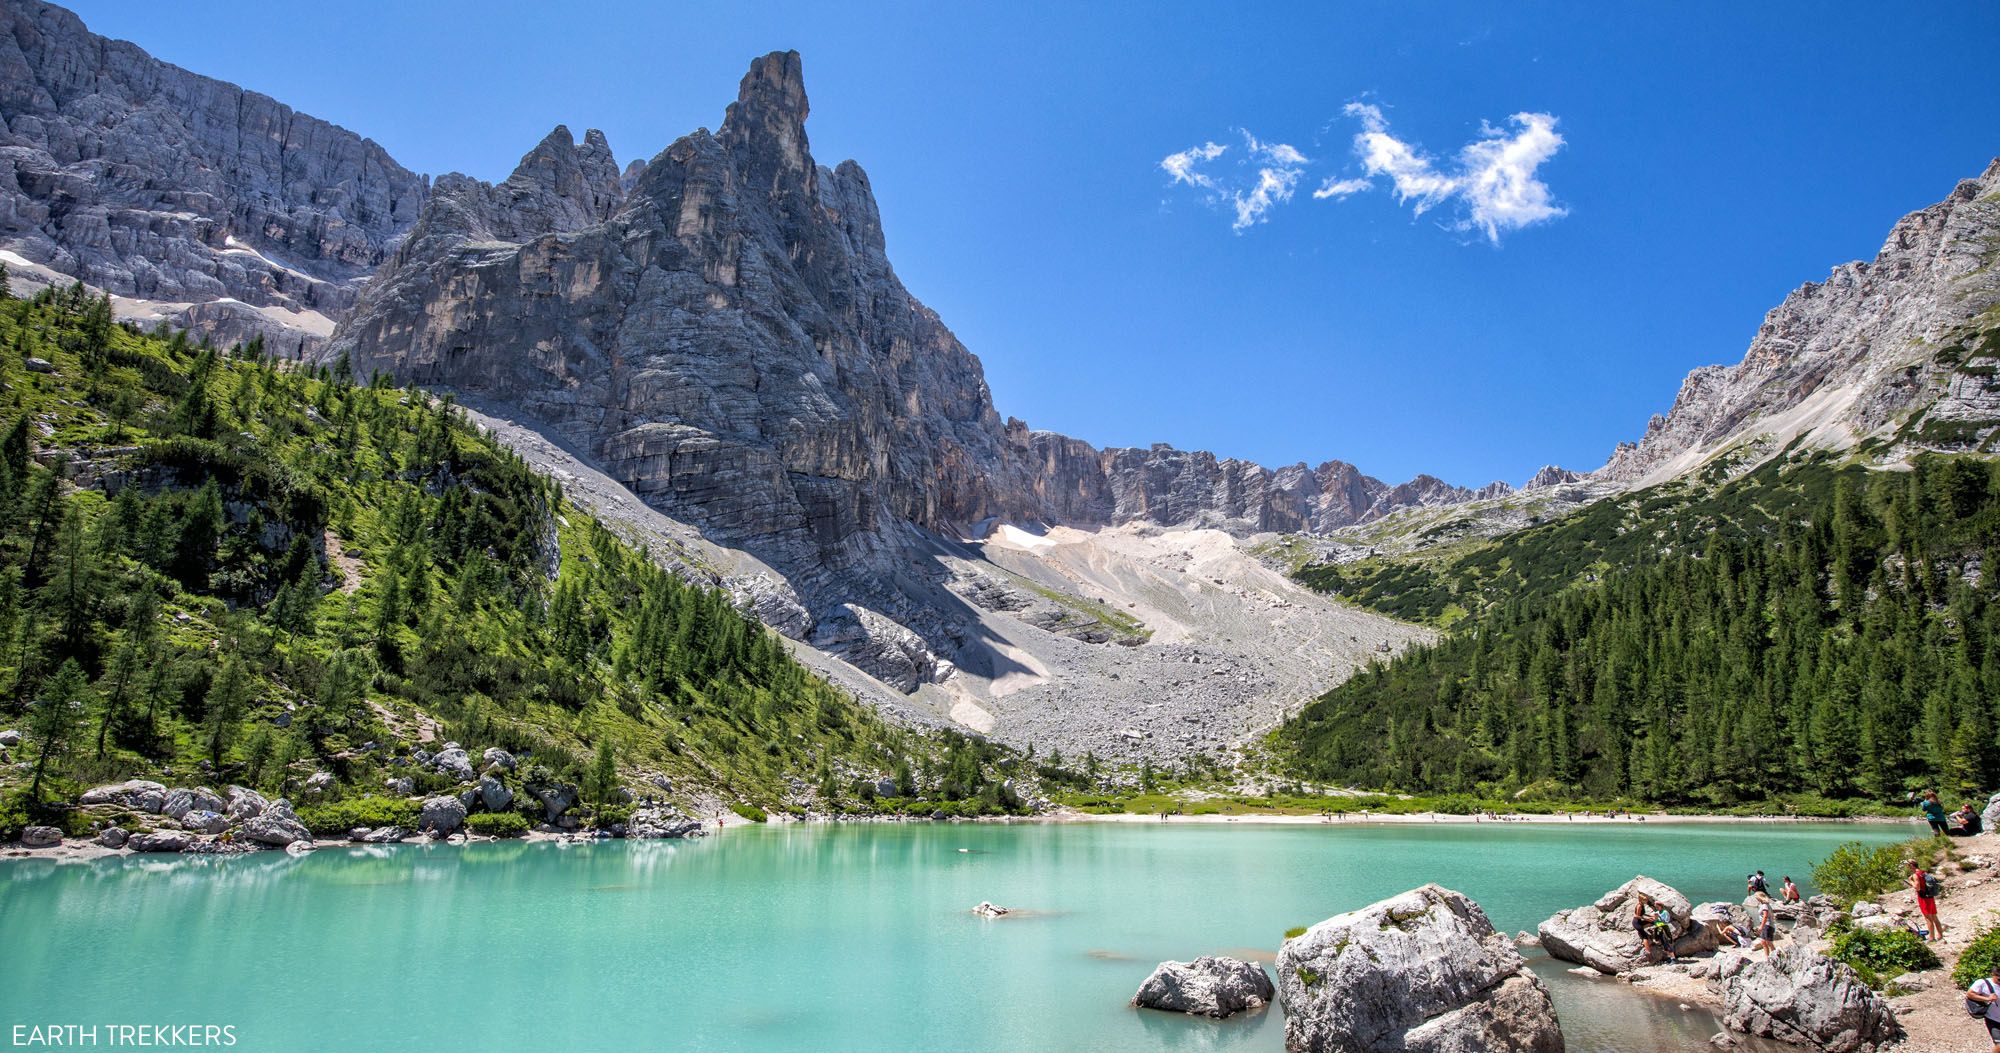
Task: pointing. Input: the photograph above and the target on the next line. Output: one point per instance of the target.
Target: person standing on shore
(1987, 992)
(1933, 810)
(1926, 893)
(1767, 928)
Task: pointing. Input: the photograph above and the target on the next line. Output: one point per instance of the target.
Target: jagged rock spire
(765, 128)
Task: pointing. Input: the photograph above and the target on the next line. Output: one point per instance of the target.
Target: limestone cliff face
(159, 185)
(723, 330)
(1889, 350)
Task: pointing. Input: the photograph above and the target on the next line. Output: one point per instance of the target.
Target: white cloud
(1181, 165)
(1265, 177)
(1493, 178)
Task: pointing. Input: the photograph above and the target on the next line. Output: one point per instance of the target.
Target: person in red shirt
(1926, 903)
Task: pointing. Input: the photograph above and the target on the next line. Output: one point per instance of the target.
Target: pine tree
(55, 718)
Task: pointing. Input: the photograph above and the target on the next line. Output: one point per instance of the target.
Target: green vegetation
(498, 824)
(1978, 959)
(1881, 955)
(1808, 629)
(750, 812)
(1296, 931)
(1855, 871)
(336, 819)
(237, 570)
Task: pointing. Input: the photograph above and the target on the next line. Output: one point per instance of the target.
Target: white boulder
(1208, 986)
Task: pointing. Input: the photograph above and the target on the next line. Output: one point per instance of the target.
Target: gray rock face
(160, 841)
(245, 803)
(495, 757)
(1991, 816)
(41, 837)
(112, 837)
(1849, 358)
(154, 183)
(555, 799)
(384, 835)
(724, 334)
(494, 794)
(140, 795)
(1805, 998)
(274, 827)
(442, 816)
(1208, 986)
(455, 763)
(1601, 936)
(203, 821)
(1422, 971)
(648, 823)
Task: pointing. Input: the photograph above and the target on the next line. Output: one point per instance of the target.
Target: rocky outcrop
(1422, 971)
(41, 837)
(441, 816)
(276, 826)
(139, 795)
(1208, 986)
(160, 841)
(245, 803)
(1601, 936)
(230, 211)
(1890, 349)
(1805, 998)
(654, 823)
(494, 794)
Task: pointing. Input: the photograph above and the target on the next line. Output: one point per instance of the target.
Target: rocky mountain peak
(561, 186)
(766, 125)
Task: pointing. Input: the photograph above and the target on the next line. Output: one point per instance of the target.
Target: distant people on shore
(1926, 888)
(1933, 810)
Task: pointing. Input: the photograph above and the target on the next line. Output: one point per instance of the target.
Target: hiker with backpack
(1926, 886)
(1982, 1000)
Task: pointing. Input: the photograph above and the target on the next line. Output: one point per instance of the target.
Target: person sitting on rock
(1986, 991)
(1642, 922)
(1967, 821)
(1788, 891)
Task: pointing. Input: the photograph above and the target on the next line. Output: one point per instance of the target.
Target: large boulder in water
(1207, 986)
(1808, 999)
(1600, 934)
(1423, 972)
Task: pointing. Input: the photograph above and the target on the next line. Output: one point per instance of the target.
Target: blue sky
(1712, 159)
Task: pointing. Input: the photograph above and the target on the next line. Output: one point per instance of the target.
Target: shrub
(337, 818)
(1977, 961)
(1855, 871)
(1295, 932)
(609, 815)
(750, 812)
(13, 816)
(497, 824)
(1880, 955)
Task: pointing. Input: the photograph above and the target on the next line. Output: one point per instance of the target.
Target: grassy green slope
(215, 569)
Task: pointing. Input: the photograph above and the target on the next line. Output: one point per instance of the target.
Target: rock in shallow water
(1208, 986)
(1600, 934)
(1423, 971)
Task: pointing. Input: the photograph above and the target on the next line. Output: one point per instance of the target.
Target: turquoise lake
(804, 937)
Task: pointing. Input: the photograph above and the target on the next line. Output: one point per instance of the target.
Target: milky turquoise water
(801, 938)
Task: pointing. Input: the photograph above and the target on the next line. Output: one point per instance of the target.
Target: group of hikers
(1963, 823)
(1654, 922)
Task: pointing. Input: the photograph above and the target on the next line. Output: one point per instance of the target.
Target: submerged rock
(1805, 998)
(1423, 971)
(990, 910)
(1600, 934)
(1208, 986)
